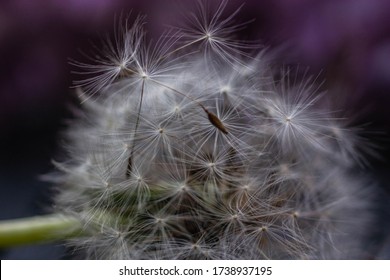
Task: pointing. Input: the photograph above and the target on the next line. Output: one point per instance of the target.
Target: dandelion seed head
(198, 149)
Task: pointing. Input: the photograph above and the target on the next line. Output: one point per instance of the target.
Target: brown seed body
(216, 122)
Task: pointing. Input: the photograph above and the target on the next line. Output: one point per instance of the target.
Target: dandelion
(207, 156)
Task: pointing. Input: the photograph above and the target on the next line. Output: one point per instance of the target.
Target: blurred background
(347, 41)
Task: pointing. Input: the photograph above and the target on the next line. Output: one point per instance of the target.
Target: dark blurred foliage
(349, 41)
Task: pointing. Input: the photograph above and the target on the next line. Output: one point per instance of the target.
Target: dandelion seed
(216, 122)
(215, 33)
(112, 60)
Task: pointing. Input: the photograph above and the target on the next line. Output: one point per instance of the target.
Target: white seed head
(186, 155)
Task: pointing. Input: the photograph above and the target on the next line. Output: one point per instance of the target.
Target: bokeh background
(347, 41)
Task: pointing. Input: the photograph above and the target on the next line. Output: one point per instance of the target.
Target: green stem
(38, 229)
